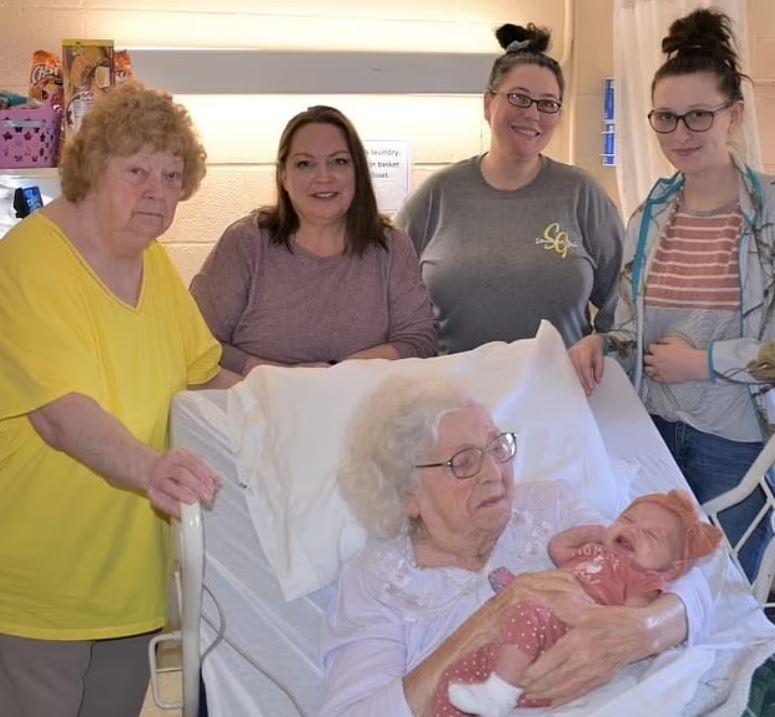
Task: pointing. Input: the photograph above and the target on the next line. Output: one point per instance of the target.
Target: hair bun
(531, 38)
(705, 31)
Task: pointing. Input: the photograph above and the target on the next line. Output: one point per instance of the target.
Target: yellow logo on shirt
(557, 240)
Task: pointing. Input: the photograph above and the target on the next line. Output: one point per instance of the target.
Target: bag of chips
(88, 68)
(123, 66)
(46, 78)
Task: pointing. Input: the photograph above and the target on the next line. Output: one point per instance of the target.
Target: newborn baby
(631, 562)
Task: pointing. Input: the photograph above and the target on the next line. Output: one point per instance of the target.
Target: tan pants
(85, 678)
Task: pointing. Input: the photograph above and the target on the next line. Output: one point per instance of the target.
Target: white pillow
(288, 431)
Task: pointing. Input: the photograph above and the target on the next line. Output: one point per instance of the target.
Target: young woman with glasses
(697, 288)
(511, 237)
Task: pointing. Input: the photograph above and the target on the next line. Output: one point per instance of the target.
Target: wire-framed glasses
(468, 462)
(665, 122)
(523, 101)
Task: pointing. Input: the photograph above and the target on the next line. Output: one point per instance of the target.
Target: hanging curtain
(639, 26)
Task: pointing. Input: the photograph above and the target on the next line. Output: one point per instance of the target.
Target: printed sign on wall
(391, 167)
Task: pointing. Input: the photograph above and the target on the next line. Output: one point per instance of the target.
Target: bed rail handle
(188, 584)
(755, 477)
(173, 636)
(191, 562)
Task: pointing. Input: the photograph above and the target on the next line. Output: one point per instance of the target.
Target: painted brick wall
(241, 133)
(761, 34)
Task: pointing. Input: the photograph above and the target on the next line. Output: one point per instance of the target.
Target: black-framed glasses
(665, 122)
(523, 101)
(468, 462)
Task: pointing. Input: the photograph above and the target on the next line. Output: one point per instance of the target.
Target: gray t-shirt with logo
(497, 262)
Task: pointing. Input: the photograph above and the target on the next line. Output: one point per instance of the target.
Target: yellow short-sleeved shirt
(80, 559)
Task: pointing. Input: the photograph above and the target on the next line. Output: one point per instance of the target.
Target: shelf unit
(31, 172)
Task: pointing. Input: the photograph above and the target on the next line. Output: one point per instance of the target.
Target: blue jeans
(713, 465)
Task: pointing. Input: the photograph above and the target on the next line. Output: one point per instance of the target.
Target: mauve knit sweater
(260, 299)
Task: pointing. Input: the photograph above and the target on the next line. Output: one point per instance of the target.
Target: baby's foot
(493, 698)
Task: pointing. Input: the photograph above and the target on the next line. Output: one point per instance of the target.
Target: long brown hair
(364, 226)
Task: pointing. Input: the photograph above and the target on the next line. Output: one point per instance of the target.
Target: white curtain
(639, 26)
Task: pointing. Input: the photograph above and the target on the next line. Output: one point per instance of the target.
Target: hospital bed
(261, 652)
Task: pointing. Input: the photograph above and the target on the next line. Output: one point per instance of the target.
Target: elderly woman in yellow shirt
(97, 333)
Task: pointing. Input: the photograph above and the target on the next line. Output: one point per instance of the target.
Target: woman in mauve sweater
(320, 277)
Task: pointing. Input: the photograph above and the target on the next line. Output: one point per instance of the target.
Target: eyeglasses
(468, 462)
(695, 120)
(518, 99)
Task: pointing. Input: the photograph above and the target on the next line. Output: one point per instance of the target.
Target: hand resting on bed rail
(431, 477)
(78, 426)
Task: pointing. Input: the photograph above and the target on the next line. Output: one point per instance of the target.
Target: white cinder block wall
(761, 32)
(241, 132)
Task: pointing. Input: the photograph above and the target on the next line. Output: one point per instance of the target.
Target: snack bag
(88, 68)
(124, 70)
(46, 78)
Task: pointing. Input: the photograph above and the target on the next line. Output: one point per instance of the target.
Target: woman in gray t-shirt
(512, 237)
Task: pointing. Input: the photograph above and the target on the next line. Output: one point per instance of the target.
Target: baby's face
(651, 535)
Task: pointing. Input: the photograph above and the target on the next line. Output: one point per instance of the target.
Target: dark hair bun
(536, 38)
(705, 31)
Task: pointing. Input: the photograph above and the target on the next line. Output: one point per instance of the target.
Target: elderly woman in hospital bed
(430, 477)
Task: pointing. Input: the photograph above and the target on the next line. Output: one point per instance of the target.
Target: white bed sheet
(283, 637)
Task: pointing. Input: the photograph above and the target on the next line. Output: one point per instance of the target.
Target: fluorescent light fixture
(240, 71)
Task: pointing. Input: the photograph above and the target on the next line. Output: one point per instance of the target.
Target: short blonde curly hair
(122, 122)
(392, 428)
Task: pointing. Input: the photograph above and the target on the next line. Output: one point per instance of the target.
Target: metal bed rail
(189, 573)
(755, 477)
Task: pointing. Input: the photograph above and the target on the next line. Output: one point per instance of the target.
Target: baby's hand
(499, 579)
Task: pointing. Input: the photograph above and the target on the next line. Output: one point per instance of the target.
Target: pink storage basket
(29, 137)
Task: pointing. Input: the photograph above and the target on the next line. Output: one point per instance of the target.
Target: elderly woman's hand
(75, 424)
(552, 587)
(603, 639)
(179, 476)
(559, 591)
